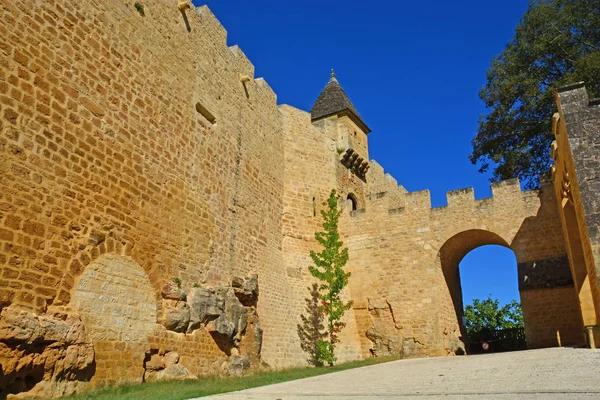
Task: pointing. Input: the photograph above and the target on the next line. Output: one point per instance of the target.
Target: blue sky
(412, 69)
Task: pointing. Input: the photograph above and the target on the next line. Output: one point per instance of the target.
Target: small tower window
(352, 201)
(314, 206)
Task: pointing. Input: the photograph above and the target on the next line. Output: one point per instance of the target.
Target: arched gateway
(412, 265)
(452, 253)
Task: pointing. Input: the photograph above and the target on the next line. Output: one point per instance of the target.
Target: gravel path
(558, 373)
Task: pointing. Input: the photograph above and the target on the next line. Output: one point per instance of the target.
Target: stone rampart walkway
(558, 373)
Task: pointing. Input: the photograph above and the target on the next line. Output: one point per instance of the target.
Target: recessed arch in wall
(117, 305)
(353, 202)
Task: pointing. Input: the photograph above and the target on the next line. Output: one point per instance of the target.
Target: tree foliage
(556, 43)
(488, 314)
(329, 269)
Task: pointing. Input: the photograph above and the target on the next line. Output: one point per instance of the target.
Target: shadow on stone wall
(551, 312)
(311, 330)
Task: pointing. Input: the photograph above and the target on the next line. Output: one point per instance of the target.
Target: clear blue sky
(412, 69)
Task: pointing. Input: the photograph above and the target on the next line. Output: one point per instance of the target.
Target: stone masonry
(157, 209)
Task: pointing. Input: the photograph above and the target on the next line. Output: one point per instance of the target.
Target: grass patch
(179, 390)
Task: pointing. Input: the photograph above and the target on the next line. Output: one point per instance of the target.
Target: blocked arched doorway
(117, 304)
(450, 256)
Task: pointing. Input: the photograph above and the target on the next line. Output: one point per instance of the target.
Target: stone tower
(333, 103)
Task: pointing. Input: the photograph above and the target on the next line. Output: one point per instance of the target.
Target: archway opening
(492, 306)
(489, 270)
(352, 201)
(476, 264)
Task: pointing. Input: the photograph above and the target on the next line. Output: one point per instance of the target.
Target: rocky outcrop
(246, 290)
(453, 343)
(227, 313)
(384, 333)
(175, 315)
(413, 348)
(235, 365)
(205, 306)
(43, 355)
(165, 367)
(231, 323)
(172, 291)
(387, 341)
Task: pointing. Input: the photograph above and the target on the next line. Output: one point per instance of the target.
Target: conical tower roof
(333, 100)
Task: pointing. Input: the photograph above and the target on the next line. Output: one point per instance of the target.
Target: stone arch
(451, 254)
(88, 255)
(117, 304)
(99, 245)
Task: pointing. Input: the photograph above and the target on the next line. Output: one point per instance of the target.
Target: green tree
(488, 314)
(329, 269)
(556, 43)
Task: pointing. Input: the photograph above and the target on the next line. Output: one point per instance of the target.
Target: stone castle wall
(104, 152)
(143, 171)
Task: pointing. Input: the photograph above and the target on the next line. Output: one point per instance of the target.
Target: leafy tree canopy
(488, 314)
(556, 43)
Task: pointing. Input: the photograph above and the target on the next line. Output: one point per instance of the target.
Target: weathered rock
(232, 323)
(155, 363)
(413, 348)
(453, 343)
(172, 291)
(172, 372)
(377, 304)
(251, 342)
(386, 339)
(176, 371)
(175, 316)
(205, 306)
(222, 326)
(235, 365)
(258, 333)
(170, 358)
(246, 290)
(47, 356)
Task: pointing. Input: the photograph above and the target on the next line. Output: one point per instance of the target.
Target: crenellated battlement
(380, 181)
(460, 196)
(212, 30)
(419, 200)
(504, 192)
(210, 21)
(243, 63)
(506, 187)
(389, 197)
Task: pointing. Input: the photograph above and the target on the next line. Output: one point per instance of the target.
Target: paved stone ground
(559, 373)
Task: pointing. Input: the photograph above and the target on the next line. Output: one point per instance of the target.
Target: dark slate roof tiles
(334, 100)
